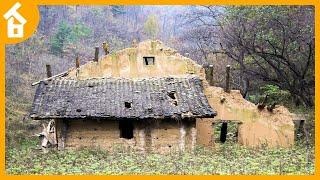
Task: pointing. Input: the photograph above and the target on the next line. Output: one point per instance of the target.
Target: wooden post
(228, 79)
(77, 62)
(77, 66)
(49, 72)
(96, 54)
(301, 127)
(211, 75)
(223, 133)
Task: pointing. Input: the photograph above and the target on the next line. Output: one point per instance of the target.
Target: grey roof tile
(107, 97)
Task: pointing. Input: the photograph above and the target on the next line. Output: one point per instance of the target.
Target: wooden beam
(227, 121)
(50, 78)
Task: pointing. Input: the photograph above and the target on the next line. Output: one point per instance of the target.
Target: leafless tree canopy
(264, 44)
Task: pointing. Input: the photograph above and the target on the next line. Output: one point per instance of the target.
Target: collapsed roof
(166, 97)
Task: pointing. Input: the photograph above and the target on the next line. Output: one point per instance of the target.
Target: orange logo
(18, 20)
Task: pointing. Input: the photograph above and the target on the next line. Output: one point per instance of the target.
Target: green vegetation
(117, 10)
(227, 159)
(274, 93)
(231, 133)
(151, 27)
(67, 34)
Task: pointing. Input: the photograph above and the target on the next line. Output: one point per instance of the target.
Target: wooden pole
(77, 62)
(301, 126)
(49, 72)
(96, 54)
(228, 79)
(50, 78)
(211, 75)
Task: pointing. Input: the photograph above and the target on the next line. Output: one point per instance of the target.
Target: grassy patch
(227, 159)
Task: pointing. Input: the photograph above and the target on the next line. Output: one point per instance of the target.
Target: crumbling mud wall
(257, 128)
(156, 136)
(129, 63)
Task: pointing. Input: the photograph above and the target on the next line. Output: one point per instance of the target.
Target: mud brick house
(102, 111)
(151, 98)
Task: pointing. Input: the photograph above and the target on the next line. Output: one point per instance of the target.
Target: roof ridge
(129, 79)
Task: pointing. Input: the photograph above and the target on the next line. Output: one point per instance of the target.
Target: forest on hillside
(271, 50)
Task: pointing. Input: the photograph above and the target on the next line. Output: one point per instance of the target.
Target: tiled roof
(121, 98)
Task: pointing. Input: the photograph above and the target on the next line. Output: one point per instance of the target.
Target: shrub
(67, 34)
(274, 93)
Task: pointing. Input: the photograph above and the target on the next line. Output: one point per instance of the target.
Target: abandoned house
(150, 98)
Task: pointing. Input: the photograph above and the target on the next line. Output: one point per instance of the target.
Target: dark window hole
(226, 132)
(148, 60)
(127, 104)
(299, 129)
(175, 103)
(126, 129)
(172, 95)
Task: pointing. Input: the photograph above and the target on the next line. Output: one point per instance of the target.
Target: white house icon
(15, 30)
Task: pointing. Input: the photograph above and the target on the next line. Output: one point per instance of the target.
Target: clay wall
(129, 63)
(156, 136)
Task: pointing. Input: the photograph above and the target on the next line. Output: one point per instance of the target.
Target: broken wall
(129, 63)
(258, 127)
